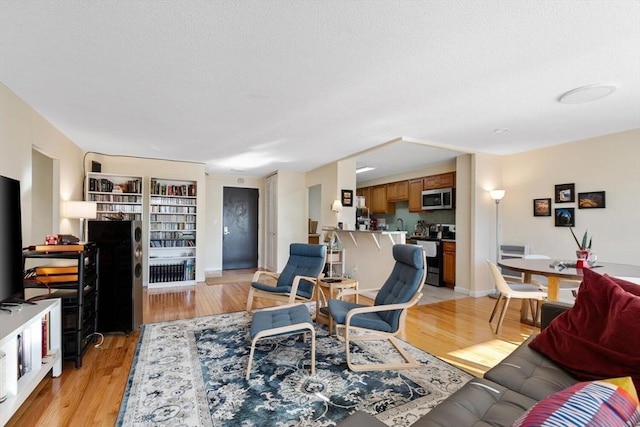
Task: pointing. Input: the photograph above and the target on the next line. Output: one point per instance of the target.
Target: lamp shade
(84, 210)
(496, 194)
(336, 206)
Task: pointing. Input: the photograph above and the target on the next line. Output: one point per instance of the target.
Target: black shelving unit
(79, 293)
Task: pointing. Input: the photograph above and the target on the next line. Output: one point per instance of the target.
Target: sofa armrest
(551, 310)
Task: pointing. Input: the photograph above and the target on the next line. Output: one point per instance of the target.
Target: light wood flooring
(456, 331)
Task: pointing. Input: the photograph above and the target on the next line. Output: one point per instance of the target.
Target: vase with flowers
(584, 249)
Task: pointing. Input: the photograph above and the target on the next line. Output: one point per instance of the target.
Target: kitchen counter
(376, 235)
(369, 255)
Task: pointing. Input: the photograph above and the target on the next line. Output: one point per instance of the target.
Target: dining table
(556, 270)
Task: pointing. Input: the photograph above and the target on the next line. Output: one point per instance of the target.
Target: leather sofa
(504, 393)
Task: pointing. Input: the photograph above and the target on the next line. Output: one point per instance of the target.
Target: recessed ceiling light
(364, 169)
(587, 93)
(501, 130)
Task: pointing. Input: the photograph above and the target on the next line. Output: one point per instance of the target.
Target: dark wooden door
(239, 228)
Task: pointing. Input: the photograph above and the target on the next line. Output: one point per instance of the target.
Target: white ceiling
(259, 86)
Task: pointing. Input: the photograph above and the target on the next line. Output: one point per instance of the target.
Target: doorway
(239, 228)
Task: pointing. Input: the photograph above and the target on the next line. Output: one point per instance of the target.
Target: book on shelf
(46, 341)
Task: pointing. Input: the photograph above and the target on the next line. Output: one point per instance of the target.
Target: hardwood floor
(456, 331)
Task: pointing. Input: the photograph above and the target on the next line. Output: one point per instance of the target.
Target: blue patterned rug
(192, 373)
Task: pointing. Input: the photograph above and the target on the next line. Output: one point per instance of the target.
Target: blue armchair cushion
(304, 260)
(401, 285)
(271, 319)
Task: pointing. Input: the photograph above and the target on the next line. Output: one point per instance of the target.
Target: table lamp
(81, 211)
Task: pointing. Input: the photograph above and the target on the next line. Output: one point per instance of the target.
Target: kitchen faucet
(398, 227)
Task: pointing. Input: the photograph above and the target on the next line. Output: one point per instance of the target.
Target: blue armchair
(297, 281)
(385, 319)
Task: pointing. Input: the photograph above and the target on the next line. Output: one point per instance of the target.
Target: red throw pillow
(634, 288)
(599, 337)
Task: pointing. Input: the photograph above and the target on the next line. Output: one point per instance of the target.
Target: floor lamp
(497, 195)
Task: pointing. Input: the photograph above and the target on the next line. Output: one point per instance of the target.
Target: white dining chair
(525, 291)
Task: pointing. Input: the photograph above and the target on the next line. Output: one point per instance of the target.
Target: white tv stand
(26, 321)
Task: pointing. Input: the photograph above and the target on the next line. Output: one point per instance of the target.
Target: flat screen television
(11, 267)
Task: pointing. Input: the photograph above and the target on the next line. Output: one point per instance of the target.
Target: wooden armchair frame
(345, 333)
(289, 298)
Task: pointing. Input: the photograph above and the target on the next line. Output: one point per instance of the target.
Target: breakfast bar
(368, 254)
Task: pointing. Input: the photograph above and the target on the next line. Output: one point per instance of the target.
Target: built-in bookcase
(119, 197)
(172, 232)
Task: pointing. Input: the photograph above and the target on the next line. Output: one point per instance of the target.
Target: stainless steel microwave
(442, 198)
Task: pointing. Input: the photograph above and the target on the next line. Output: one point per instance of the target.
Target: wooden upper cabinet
(443, 180)
(398, 191)
(415, 195)
(366, 193)
(379, 203)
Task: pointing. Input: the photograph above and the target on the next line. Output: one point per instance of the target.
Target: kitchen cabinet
(449, 263)
(379, 203)
(443, 180)
(398, 191)
(415, 195)
(366, 193)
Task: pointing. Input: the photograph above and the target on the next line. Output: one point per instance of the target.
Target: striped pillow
(607, 403)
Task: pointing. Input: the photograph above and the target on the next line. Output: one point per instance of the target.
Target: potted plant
(583, 247)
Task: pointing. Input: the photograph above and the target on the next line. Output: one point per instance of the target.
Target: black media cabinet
(76, 284)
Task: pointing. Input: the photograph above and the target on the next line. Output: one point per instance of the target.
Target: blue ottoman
(282, 320)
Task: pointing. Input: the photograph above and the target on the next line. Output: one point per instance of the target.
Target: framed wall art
(565, 217)
(592, 199)
(565, 193)
(542, 207)
(347, 198)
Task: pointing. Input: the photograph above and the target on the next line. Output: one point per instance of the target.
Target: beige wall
(609, 163)
(292, 213)
(21, 130)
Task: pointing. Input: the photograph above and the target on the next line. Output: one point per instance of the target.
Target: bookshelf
(23, 329)
(172, 232)
(118, 196)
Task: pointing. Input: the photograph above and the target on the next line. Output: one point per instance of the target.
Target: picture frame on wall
(565, 193)
(591, 200)
(347, 198)
(565, 217)
(542, 207)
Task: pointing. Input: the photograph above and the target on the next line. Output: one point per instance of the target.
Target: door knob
(225, 230)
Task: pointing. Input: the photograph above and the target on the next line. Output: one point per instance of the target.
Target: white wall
(609, 163)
